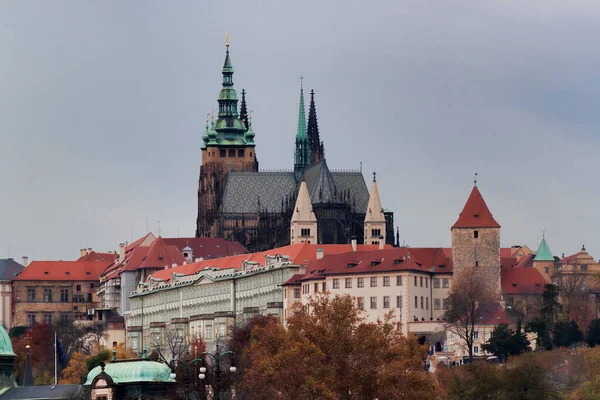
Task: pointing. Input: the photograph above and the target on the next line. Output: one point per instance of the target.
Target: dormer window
(514, 285)
(374, 263)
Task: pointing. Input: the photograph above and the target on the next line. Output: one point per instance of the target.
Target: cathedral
(238, 202)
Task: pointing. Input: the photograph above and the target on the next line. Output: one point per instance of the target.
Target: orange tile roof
(476, 213)
(62, 271)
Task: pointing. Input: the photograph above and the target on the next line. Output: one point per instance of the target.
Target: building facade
(9, 269)
(49, 291)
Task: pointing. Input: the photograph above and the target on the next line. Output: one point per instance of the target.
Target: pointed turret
(476, 213)
(303, 226)
(303, 153)
(544, 260)
(374, 218)
(28, 373)
(316, 145)
(244, 109)
(544, 253)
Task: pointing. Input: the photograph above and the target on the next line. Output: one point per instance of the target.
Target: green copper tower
(230, 129)
(302, 155)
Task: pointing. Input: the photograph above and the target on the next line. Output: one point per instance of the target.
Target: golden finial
(227, 41)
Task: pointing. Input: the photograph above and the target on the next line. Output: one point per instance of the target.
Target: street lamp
(217, 357)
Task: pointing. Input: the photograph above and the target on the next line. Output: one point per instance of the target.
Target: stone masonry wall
(484, 251)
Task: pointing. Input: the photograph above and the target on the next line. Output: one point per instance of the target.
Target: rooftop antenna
(158, 228)
(475, 180)
(361, 167)
(9, 251)
(146, 225)
(131, 235)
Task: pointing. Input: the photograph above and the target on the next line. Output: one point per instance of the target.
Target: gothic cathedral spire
(375, 225)
(302, 155)
(244, 109)
(303, 226)
(316, 145)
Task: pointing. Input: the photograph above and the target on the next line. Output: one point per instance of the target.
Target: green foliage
(506, 342)
(593, 336)
(97, 359)
(567, 333)
(542, 330)
(550, 305)
(17, 331)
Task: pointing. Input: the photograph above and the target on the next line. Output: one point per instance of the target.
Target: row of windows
(386, 302)
(445, 283)
(360, 283)
(64, 295)
(305, 232)
(47, 318)
(223, 153)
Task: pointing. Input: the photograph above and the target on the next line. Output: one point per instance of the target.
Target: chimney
(24, 261)
(173, 265)
(82, 253)
(89, 250)
(319, 253)
(353, 241)
(121, 251)
(381, 243)
(199, 259)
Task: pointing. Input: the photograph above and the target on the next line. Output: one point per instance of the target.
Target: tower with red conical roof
(476, 240)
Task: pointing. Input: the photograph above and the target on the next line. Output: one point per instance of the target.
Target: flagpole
(55, 361)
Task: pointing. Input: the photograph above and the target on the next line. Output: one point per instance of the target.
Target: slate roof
(43, 392)
(244, 190)
(8, 269)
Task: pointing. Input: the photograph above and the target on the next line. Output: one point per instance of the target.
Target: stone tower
(228, 146)
(303, 226)
(544, 261)
(302, 155)
(476, 240)
(375, 225)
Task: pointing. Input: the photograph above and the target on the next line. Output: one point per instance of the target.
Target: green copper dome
(6, 348)
(543, 253)
(130, 371)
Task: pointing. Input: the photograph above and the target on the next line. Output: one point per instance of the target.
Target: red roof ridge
(476, 213)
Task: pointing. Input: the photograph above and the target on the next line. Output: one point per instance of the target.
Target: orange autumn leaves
(328, 351)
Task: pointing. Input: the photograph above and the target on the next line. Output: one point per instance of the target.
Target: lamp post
(217, 357)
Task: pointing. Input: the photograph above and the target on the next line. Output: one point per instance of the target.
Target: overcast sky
(102, 109)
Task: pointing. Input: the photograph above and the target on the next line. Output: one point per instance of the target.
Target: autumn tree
(593, 336)
(471, 300)
(41, 339)
(170, 344)
(76, 370)
(330, 352)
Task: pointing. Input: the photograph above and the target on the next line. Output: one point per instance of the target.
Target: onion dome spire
(230, 129)
(316, 145)
(205, 137)
(250, 133)
(244, 109)
(303, 154)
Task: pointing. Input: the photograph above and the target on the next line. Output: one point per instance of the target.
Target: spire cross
(543, 234)
(227, 41)
(374, 176)
(301, 81)
(475, 180)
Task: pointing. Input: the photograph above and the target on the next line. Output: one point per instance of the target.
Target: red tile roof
(301, 254)
(387, 260)
(62, 271)
(157, 255)
(476, 213)
(207, 247)
(94, 256)
(522, 281)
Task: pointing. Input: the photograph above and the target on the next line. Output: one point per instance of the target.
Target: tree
(330, 352)
(506, 342)
(41, 339)
(470, 301)
(124, 353)
(566, 333)
(97, 359)
(170, 344)
(593, 336)
(76, 371)
(543, 324)
(578, 304)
